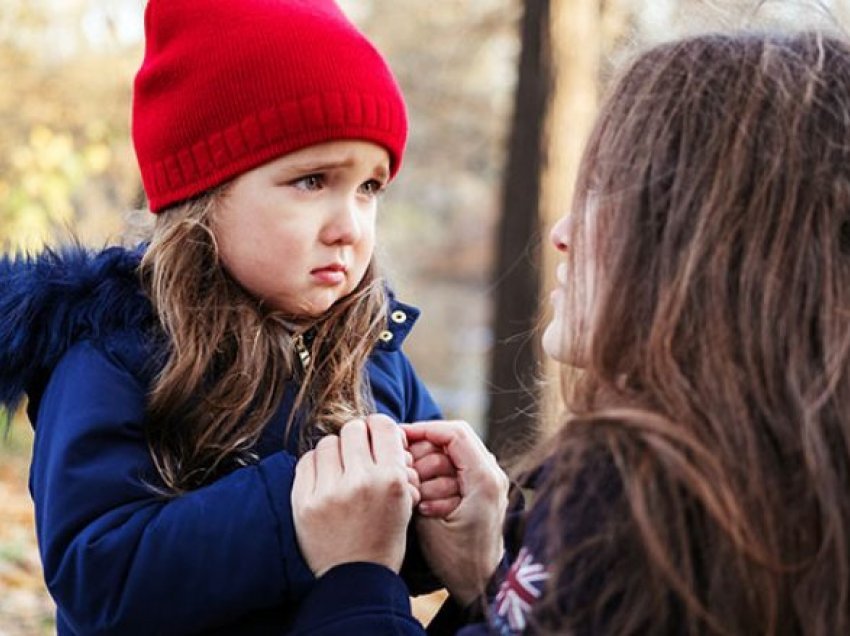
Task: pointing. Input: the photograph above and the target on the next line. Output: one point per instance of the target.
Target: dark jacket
(76, 338)
(365, 598)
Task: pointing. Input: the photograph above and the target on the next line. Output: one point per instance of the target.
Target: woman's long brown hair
(709, 435)
(228, 358)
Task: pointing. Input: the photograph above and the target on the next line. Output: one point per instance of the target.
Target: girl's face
(299, 232)
(574, 296)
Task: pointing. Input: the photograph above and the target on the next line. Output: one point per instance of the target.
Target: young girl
(172, 388)
(701, 483)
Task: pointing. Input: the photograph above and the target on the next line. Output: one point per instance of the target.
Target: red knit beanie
(227, 85)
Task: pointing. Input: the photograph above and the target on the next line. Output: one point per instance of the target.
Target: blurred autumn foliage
(67, 168)
(63, 114)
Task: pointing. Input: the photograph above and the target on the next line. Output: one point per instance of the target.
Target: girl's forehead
(343, 153)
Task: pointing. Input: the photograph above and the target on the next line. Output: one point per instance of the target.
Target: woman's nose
(560, 232)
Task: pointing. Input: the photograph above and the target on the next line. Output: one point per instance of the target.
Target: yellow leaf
(97, 158)
(53, 154)
(30, 228)
(31, 183)
(40, 136)
(22, 158)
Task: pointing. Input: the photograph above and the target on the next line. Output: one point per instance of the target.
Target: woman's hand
(463, 547)
(353, 496)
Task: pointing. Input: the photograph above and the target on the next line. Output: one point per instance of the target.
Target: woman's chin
(554, 341)
(560, 346)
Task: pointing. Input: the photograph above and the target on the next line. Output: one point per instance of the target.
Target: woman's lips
(557, 294)
(561, 274)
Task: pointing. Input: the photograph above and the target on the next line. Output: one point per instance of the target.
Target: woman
(701, 482)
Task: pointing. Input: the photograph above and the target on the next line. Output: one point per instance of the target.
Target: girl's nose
(345, 225)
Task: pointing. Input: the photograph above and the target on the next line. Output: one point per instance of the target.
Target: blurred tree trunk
(556, 95)
(514, 359)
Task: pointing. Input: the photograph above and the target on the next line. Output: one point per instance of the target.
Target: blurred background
(501, 94)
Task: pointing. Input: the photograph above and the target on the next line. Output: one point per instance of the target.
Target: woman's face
(573, 299)
(299, 232)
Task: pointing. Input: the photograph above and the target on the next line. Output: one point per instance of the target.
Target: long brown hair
(228, 357)
(714, 404)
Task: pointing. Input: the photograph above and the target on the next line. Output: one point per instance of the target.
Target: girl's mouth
(332, 274)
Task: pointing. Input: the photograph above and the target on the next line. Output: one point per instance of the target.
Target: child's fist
(438, 485)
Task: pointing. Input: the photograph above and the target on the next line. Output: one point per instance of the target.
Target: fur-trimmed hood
(50, 301)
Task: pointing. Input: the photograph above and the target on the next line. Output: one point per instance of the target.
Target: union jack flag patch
(522, 586)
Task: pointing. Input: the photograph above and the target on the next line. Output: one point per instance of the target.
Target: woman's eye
(372, 187)
(311, 182)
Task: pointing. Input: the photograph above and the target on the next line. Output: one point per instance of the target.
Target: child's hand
(438, 485)
(464, 547)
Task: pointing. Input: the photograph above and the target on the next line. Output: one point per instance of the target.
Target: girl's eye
(311, 182)
(372, 187)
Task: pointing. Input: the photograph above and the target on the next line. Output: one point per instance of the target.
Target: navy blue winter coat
(118, 557)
